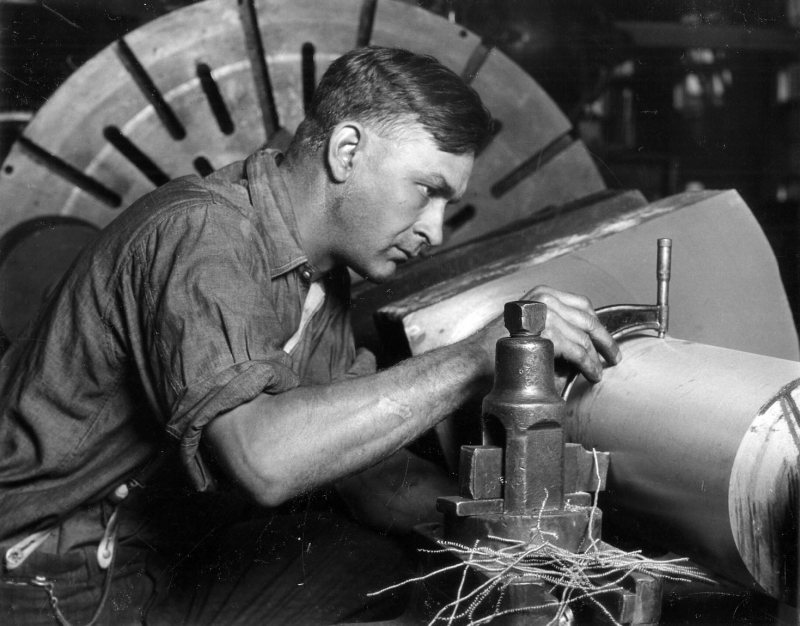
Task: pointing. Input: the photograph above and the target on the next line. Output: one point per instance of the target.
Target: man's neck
(305, 183)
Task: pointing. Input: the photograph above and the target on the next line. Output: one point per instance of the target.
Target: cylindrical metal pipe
(663, 271)
(704, 447)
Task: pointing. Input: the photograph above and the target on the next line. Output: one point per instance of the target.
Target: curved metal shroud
(704, 454)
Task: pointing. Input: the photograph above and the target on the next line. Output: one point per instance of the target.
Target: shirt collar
(270, 198)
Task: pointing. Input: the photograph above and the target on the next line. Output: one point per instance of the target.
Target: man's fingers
(577, 310)
(574, 345)
(606, 345)
(600, 337)
(545, 294)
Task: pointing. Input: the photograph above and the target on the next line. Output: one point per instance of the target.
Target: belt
(17, 554)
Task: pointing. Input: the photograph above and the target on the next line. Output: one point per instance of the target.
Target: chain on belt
(106, 553)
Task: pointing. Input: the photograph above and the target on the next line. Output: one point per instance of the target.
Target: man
(215, 311)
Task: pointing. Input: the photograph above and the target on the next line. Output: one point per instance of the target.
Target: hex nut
(524, 317)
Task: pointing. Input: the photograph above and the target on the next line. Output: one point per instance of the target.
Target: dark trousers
(308, 568)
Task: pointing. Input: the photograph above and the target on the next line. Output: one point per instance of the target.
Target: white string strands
(569, 576)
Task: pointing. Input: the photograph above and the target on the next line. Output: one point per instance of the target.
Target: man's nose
(429, 226)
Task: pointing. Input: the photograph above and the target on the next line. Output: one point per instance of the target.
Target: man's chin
(379, 276)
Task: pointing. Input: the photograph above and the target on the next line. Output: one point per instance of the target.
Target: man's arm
(278, 446)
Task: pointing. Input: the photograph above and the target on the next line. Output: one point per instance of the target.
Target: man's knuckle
(592, 323)
(584, 302)
(539, 293)
(547, 299)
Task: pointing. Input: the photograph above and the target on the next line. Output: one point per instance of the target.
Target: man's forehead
(449, 172)
(417, 146)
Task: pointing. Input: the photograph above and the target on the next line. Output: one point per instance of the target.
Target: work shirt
(179, 311)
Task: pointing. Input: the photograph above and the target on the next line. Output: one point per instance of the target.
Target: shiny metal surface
(674, 416)
(663, 273)
(524, 400)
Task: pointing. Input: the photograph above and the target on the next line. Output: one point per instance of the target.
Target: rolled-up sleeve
(211, 330)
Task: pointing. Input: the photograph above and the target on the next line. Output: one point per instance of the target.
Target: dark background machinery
(665, 98)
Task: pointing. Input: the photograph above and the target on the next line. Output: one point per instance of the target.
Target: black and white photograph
(399, 312)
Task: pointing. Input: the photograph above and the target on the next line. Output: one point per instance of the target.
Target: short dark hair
(389, 88)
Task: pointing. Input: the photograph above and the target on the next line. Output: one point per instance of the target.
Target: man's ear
(346, 142)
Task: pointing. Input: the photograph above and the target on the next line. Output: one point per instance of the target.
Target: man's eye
(428, 191)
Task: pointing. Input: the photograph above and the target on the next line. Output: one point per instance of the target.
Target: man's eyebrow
(443, 188)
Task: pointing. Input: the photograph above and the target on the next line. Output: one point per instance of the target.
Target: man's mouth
(406, 254)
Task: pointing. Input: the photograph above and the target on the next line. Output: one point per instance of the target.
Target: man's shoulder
(187, 199)
(192, 191)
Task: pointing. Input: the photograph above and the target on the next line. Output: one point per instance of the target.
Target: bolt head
(524, 317)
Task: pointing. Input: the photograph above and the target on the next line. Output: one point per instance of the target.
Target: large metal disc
(210, 83)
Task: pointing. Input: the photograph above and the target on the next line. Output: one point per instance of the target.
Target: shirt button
(121, 492)
(306, 273)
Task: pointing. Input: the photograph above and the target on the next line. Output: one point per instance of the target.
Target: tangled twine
(599, 569)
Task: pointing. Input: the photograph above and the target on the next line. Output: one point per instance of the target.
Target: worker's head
(397, 134)
(389, 90)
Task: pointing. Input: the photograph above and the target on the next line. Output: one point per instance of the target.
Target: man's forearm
(279, 446)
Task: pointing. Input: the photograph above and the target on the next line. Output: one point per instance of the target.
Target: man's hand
(575, 331)
(572, 326)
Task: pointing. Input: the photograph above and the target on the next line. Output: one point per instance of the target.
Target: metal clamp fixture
(625, 319)
(525, 482)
